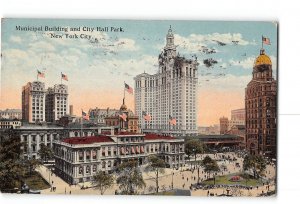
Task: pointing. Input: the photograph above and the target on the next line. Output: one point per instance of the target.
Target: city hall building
(172, 91)
(78, 159)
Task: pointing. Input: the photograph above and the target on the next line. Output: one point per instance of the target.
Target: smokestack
(71, 109)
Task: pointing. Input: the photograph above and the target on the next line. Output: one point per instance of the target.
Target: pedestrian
(207, 193)
(65, 190)
(70, 192)
(187, 179)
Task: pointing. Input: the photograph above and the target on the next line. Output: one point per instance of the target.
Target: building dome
(262, 59)
(123, 107)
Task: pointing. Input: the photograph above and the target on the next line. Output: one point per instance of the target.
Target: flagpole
(61, 78)
(81, 124)
(124, 91)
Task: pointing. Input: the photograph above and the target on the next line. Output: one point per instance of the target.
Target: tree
(12, 170)
(256, 163)
(193, 147)
(102, 181)
(32, 164)
(210, 165)
(45, 153)
(156, 165)
(130, 178)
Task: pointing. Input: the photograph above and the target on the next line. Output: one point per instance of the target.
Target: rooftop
(88, 140)
(158, 137)
(227, 136)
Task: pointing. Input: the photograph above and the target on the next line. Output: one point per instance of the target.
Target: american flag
(123, 116)
(128, 89)
(147, 117)
(172, 120)
(64, 77)
(266, 40)
(85, 115)
(40, 74)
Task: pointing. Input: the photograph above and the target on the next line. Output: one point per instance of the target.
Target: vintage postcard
(132, 107)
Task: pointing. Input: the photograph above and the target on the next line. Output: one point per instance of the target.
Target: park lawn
(36, 182)
(225, 180)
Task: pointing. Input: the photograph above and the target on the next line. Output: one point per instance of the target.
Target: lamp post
(198, 169)
(194, 150)
(172, 180)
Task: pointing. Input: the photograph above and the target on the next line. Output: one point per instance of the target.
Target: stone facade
(56, 102)
(33, 102)
(78, 159)
(172, 91)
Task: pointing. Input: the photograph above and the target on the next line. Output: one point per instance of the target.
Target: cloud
(15, 39)
(198, 42)
(42, 46)
(246, 63)
(228, 82)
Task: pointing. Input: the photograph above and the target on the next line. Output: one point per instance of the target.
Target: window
(88, 170)
(94, 154)
(88, 155)
(94, 168)
(80, 153)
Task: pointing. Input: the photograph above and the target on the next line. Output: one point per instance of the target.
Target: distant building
(78, 159)
(34, 135)
(98, 115)
(237, 117)
(11, 114)
(33, 102)
(224, 125)
(221, 141)
(171, 92)
(56, 102)
(261, 108)
(209, 130)
(239, 130)
(10, 124)
(130, 124)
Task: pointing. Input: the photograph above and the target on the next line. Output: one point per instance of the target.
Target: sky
(97, 67)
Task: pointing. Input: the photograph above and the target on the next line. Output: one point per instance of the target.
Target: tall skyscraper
(261, 108)
(33, 102)
(56, 102)
(171, 92)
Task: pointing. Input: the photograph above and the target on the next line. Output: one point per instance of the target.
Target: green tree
(255, 163)
(130, 178)
(210, 166)
(156, 165)
(45, 152)
(102, 181)
(12, 170)
(193, 147)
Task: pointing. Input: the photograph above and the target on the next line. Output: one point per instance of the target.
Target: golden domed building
(261, 108)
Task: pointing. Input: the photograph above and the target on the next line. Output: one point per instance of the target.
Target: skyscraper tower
(261, 108)
(33, 102)
(172, 91)
(56, 102)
